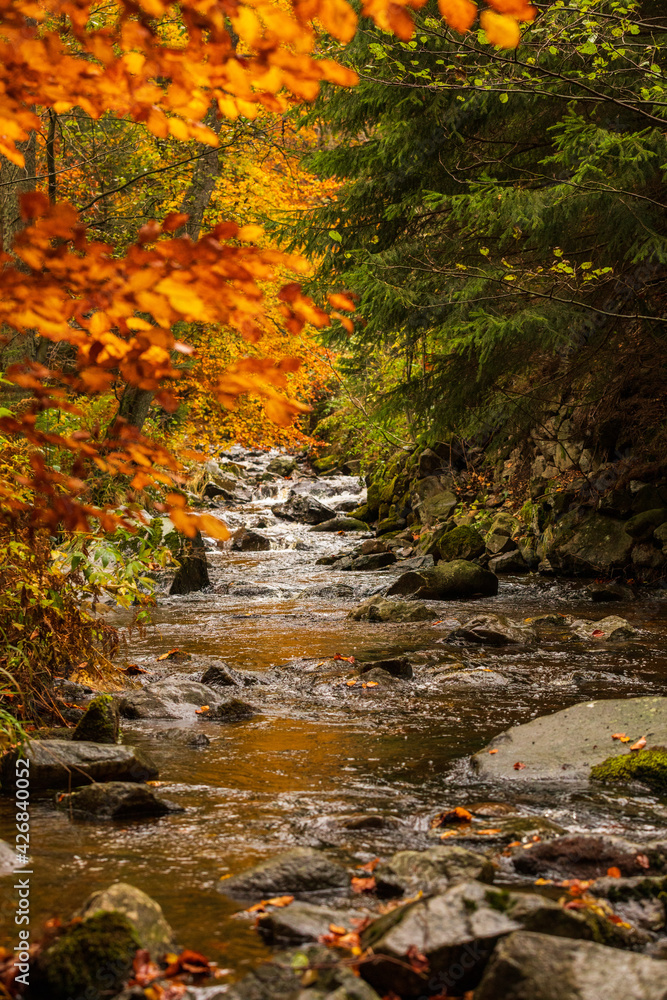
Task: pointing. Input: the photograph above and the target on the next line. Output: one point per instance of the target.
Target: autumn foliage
(164, 66)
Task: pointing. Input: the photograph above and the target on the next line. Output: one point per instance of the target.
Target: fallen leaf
(348, 659)
(639, 745)
(543, 881)
(450, 833)
(619, 736)
(493, 751)
(275, 901)
(519, 766)
(457, 815)
(199, 711)
(487, 833)
(364, 884)
(613, 872)
(170, 654)
(643, 860)
(350, 683)
(370, 866)
(131, 670)
(188, 961)
(371, 684)
(596, 633)
(417, 959)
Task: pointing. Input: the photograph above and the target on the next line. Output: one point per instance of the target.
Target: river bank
(329, 761)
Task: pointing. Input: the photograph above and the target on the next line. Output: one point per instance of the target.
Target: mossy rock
(460, 543)
(100, 722)
(648, 766)
(92, 959)
(364, 513)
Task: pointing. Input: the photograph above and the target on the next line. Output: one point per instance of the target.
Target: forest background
(472, 196)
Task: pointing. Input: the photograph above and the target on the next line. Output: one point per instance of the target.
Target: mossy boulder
(142, 912)
(463, 542)
(648, 766)
(100, 722)
(642, 525)
(93, 959)
(364, 513)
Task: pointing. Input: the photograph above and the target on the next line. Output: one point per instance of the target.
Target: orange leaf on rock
(519, 766)
(456, 815)
(643, 861)
(363, 884)
(619, 736)
(613, 872)
(640, 744)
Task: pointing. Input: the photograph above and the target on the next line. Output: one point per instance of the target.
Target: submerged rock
(145, 915)
(221, 676)
(610, 629)
(494, 630)
(605, 593)
(116, 800)
(247, 540)
(299, 871)
(648, 766)
(379, 609)
(529, 966)
(397, 667)
(232, 710)
(306, 510)
(61, 763)
(566, 745)
(100, 723)
(174, 697)
(450, 581)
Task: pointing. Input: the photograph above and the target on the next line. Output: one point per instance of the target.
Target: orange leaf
(619, 736)
(643, 861)
(501, 29)
(363, 884)
(613, 872)
(520, 9)
(639, 745)
(204, 708)
(519, 766)
(493, 751)
(457, 815)
(459, 14)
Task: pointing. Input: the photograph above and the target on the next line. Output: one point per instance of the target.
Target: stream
(356, 771)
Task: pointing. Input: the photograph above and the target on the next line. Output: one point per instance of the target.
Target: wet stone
(585, 857)
(397, 667)
(302, 922)
(61, 764)
(379, 609)
(302, 870)
(233, 710)
(116, 800)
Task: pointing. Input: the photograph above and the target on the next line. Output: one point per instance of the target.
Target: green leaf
(335, 236)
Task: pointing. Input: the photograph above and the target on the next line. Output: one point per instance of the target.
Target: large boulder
(100, 722)
(305, 509)
(461, 542)
(282, 465)
(221, 675)
(438, 507)
(434, 869)
(450, 581)
(566, 745)
(529, 966)
(598, 547)
(145, 915)
(116, 800)
(642, 526)
(92, 959)
(61, 764)
(455, 933)
(609, 629)
(494, 630)
(283, 978)
(376, 560)
(589, 856)
(174, 697)
(379, 609)
(231, 710)
(296, 872)
(247, 540)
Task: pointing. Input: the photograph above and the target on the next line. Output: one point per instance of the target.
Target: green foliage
(502, 217)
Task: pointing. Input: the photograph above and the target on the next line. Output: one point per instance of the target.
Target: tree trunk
(135, 403)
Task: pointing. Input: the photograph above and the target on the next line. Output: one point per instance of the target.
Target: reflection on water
(318, 753)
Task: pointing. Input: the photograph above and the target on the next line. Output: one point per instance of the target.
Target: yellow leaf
(501, 29)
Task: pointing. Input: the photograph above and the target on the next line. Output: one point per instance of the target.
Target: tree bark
(135, 403)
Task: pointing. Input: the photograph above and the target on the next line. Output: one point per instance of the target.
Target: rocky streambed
(405, 746)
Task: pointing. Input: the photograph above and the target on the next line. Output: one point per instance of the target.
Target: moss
(460, 543)
(364, 513)
(92, 960)
(100, 723)
(648, 766)
(499, 899)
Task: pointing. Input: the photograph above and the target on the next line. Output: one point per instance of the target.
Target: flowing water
(355, 771)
